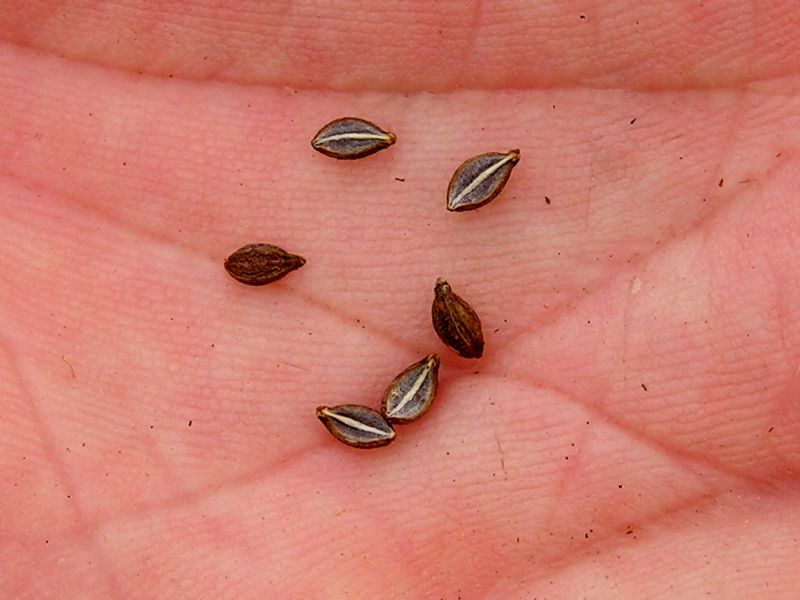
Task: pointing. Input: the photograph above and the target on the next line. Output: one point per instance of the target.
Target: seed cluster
(407, 398)
(475, 183)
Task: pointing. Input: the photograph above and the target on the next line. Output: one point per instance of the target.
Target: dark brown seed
(356, 426)
(259, 264)
(480, 179)
(411, 393)
(456, 324)
(350, 137)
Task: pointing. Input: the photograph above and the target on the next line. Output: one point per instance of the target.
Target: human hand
(632, 429)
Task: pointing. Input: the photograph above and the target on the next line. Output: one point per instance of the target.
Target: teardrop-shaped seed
(479, 179)
(356, 425)
(411, 393)
(350, 137)
(259, 264)
(455, 322)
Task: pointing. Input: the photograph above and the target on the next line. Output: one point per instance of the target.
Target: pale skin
(633, 429)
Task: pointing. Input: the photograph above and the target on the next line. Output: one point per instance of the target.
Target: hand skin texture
(633, 429)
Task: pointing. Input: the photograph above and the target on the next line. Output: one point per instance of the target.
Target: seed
(350, 137)
(479, 179)
(411, 393)
(356, 425)
(259, 264)
(455, 322)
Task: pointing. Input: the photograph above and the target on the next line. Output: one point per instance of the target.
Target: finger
(410, 46)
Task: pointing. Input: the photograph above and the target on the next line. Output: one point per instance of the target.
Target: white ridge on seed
(483, 176)
(353, 423)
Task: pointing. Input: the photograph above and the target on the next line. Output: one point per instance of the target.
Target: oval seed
(259, 264)
(411, 393)
(356, 426)
(455, 322)
(349, 138)
(480, 179)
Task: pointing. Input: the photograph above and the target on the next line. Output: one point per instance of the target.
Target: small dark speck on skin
(633, 120)
(547, 200)
(399, 179)
(770, 429)
(583, 17)
(644, 387)
(190, 422)
(721, 181)
(620, 486)
(630, 531)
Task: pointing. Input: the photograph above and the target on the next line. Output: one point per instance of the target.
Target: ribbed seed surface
(480, 179)
(350, 138)
(411, 393)
(356, 425)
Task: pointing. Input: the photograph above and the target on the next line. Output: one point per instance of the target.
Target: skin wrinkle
(614, 540)
(192, 497)
(647, 522)
(470, 46)
(556, 311)
(49, 446)
(559, 495)
(312, 299)
(551, 318)
(554, 314)
(693, 17)
(579, 85)
(261, 474)
(553, 322)
(736, 125)
(682, 457)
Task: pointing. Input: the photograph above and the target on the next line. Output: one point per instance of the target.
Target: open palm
(633, 429)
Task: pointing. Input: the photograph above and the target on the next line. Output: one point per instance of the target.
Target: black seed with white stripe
(480, 179)
(356, 425)
(411, 393)
(350, 137)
